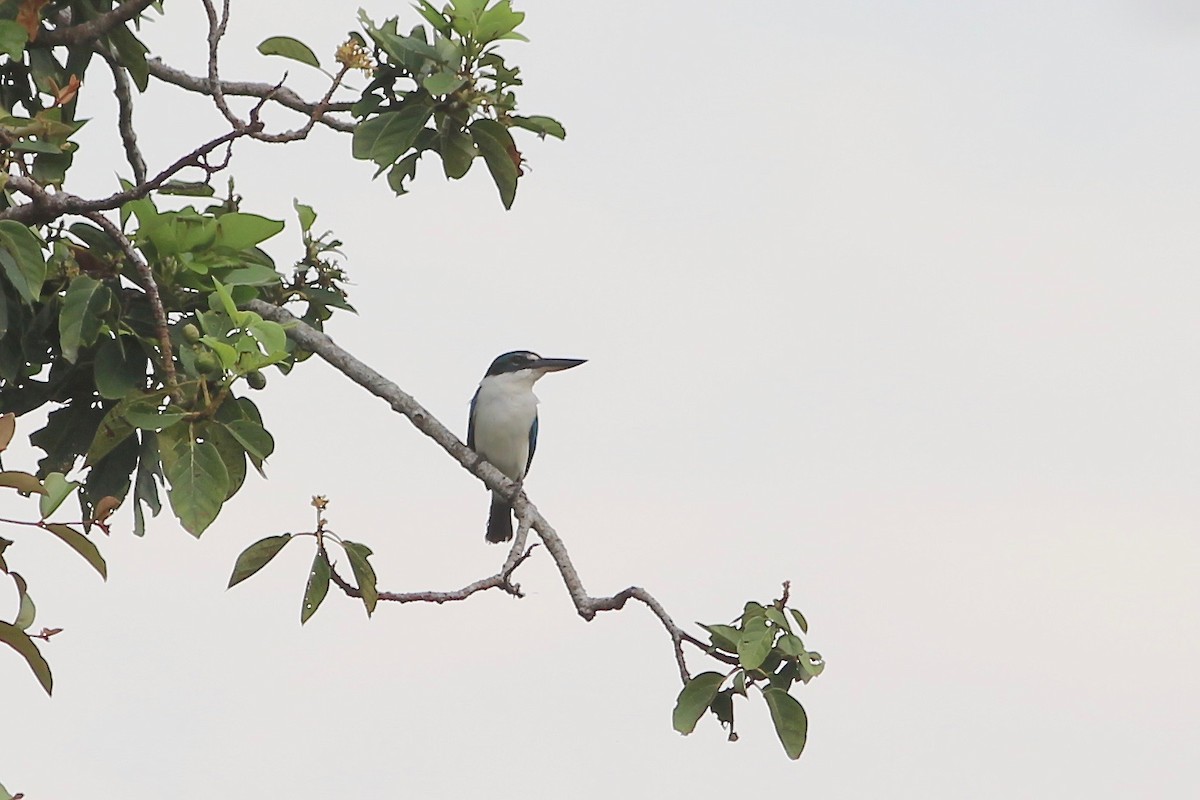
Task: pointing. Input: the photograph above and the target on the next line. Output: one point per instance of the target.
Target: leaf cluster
(316, 586)
(78, 334)
(445, 88)
(51, 492)
(770, 657)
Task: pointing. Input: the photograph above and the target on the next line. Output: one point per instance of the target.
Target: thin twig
(124, 92)
(47, 207)
(281, 95)
(150, 287)
(216, 30)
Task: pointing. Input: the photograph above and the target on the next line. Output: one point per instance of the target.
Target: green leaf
(443, 82)
(18, 640)
(119, 369)
(722, 708)
(695, 698)
(239, 231)
(233, 456)
(22, 259)
(790, 645)
(291, 48)
(58, 488)
(364, 573)
(26, 610)
(252, 436)
(496, 144)
(257, 556)
(385, 137)
(197, 476)
(405, 169)
(791, 723)
(113, 430)
(22, 482)
(433, 17)
(753, 610)
(778, 619)
(79, 323)
(252, 275)
(306, 214)
(755, 643)
(145, 488)
(800, 620)
(811, 665)
(144, 413)
(13, 37)
(497, 21)
(316, 588)
(458, 152)
(80, 544)
(723, 637)
(542, 126)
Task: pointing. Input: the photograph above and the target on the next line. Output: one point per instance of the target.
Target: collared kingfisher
(503, 426)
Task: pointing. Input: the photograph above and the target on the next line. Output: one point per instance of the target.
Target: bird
(503, 424)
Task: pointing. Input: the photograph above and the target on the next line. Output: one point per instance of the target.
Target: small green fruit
(191, 334)
(206, 363)
(256, 380)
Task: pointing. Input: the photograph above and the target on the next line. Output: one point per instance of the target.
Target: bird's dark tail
(499, 527)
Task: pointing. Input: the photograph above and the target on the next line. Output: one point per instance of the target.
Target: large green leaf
(113, 430)
(458, 152)
(791, 723)
(79, 323)
(80, 544)
(724, 637)
(58, 488)
(497, 21)
(695, 698)
(22, 259)
(120, 367)
(253, 437)
(257, 556)
(316, 588)
(385, 137)
(499, 153)
(291, 48)
(755, 643)
(239, 231)
(197, 476)
(233, 456)
(542, 126)
(13, 37)
(364, 573)
(18, 640)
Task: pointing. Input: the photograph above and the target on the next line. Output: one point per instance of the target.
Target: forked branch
(529, 517)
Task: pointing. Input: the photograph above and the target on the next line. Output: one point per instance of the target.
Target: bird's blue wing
(471, 422)
(532, 442)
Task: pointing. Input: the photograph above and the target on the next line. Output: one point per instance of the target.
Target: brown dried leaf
(8, 426)
(30, 17)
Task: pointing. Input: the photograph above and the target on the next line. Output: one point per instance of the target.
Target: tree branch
(149, 286)
(47, 207)
(282, 95)
(403, 403)
(94, 28)
(124, 93)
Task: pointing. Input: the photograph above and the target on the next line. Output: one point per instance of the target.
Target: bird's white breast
(504, 411)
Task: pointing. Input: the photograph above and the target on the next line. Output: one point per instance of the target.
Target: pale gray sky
(895, 300)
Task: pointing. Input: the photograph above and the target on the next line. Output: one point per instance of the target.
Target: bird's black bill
(557, 364)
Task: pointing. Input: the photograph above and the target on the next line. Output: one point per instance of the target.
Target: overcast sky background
(897, 301)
